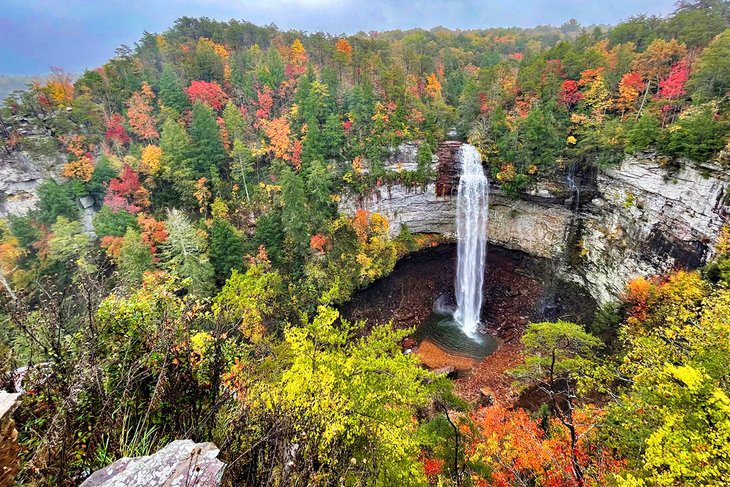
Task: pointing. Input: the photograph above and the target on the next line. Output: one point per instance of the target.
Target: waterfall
(472, 205)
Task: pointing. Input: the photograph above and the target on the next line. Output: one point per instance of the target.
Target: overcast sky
(77, 34)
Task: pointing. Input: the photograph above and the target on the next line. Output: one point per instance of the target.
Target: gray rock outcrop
(642, 219)
(181, 463)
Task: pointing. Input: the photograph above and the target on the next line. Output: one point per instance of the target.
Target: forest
(202, 297)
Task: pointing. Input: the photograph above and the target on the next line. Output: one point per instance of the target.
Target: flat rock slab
(181, 463)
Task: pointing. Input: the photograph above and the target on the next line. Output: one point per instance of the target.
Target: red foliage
(126, 192)
(432, 466)
(569, 92)
(674, 85)
(265, 103)
(209, 93)
(115, 130)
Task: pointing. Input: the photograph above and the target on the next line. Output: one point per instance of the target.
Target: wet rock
(181, 463)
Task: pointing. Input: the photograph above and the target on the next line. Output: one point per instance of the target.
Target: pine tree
(171, 90)
(183, 253)
(226, 249)
(207, 148)
(294, 214)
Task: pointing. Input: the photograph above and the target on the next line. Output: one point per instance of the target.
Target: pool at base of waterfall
(446, 333)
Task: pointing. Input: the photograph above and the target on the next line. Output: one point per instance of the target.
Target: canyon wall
(639, 218)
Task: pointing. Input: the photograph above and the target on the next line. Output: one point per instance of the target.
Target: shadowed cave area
(518, 289)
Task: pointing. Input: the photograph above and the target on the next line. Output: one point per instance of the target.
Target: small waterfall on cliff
(472, 205)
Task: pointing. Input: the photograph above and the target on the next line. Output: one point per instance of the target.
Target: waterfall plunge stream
(472, 205)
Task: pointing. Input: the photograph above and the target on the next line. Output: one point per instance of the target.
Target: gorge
(638, 218)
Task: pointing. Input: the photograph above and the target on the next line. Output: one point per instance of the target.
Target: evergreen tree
(269, 234)
(226, 249)
(207, 147)
(294, 214)
(319, 189)
(134, 259)
(56, 200)
(235, 124)
(171, 90)
(184, 254)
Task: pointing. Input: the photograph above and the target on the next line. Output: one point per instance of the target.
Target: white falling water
(472, 205)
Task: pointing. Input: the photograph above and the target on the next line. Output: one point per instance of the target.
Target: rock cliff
(639, 218)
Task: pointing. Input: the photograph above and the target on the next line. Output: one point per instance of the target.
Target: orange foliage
(517, 451)
(277, 130)
(433, 86)
(82, 168)
(639, 296)
(139, 112)
(112, 245)
(344, 49)
(153, 232)
(318, 242)
(361, 222)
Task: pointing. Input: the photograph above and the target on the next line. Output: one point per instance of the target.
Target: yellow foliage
(151, 157)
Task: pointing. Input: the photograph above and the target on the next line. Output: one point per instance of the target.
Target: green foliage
(184, 254)
(643, 134)
(134, 259)
(114, 223)
(357, 397)
(55, 200)
(171, 90)
(709, 77)
(697, 135)
(206, 150)
(250, 300)
(226, 249)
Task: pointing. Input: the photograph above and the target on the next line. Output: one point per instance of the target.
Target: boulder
(181, 463)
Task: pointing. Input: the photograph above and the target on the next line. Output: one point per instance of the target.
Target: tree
(357, 398)
(643, 134)
(295, 212)
(671, 419)
(126, 192)
(235, 123)
(113, 223)
(207, 149)
(209, 93)
(184, 254)
(139, 113)
(556, 354)
(710, 72)
(171, 90)
(133, 259)
(251, 300)
(68, 241)
(55, 200)
(226, 249)
(115, 131)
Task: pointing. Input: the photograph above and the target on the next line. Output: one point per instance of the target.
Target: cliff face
(648, 220)
(639, 219)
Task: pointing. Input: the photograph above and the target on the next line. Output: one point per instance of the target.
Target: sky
(77, 34)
